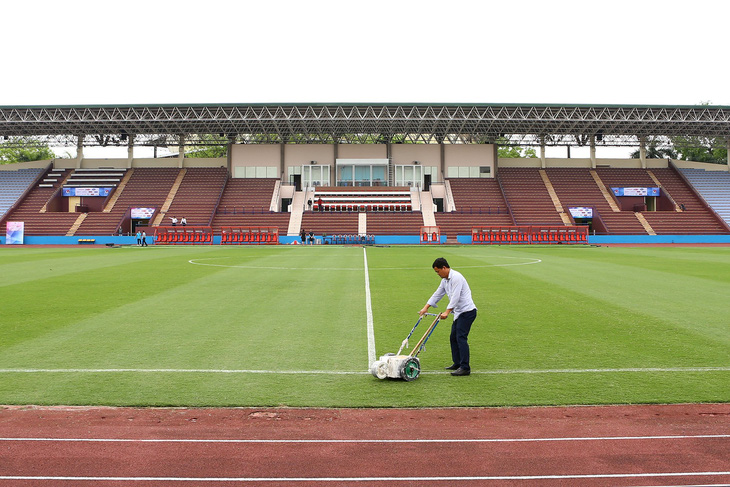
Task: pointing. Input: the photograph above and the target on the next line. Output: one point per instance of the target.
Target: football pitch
(298, 326)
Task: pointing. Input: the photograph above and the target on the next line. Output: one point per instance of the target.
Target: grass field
(286, 325)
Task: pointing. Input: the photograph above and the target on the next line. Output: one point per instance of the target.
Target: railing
(479, 210)
(242, 210)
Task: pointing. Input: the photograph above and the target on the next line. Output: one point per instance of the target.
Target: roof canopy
(355, 122)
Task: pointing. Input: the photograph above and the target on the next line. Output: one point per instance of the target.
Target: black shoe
(461, 371)
(452, 367)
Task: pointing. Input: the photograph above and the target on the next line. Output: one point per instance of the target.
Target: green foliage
(513, 151)
(207, 145)
(14, 150)
(701, 149)
(508, 151)
(286, 325)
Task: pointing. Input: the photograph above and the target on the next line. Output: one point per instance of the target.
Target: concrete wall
(582, 162)
(425, 154)
(362, 151)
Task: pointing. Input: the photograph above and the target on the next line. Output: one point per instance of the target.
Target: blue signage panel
(635, 191)
(86, 191)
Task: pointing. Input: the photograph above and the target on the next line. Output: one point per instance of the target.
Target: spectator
(139, 238)
(303, 236)
(144, 239)
(183, 221)
(319, 204)
(174, 221)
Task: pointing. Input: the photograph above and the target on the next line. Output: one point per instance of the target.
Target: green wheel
(410, 369)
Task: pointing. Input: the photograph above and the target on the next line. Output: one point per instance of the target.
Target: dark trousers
(459, 333)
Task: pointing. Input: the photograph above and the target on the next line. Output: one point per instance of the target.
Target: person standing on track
(461, 304)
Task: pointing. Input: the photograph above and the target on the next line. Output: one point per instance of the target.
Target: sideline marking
(357, 372)
(369, 309)
(368, 479)
(389, 440)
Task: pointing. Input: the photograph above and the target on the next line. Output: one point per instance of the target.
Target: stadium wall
(397, 240)
(584, 162)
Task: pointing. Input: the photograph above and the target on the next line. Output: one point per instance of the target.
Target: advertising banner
(581, 212)
(142, 213)
(635, 191)
(86, 191)
(14, 233)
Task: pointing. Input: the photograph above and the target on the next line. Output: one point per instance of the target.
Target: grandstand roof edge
(420, 104)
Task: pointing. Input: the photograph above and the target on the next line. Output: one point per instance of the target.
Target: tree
(207, 145)
(18, 150)
(701, 149)
(513, 151)
(654, 151)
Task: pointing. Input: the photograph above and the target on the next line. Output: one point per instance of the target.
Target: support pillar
(79, 151)
(642, 151)
(443, 161)
(391, 170)
(727, 145)
(229, 157)
(282, 159)
(333, 167)
(130, 151)
(181, 152)
(593, 151)
(543, 163)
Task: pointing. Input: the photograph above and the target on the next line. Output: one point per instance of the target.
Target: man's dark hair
(440, 263)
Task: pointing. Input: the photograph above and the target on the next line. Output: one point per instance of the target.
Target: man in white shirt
(461, 304)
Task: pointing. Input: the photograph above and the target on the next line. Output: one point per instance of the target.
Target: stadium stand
(382, 223)
(331, 223)
(696, 218)
(576, 187)
(145, 188)
(479, 202)
(714, 187)
(528, 197)
(13, 184)
(41, 209)
(198, 195)
(246, 202)
(363, 198)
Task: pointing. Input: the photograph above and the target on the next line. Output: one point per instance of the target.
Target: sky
(79, 52)
(569, 52)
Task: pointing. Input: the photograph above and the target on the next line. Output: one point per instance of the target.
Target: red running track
(596, 446)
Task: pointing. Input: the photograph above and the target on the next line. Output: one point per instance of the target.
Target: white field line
(353, 372)
(366, 479)
(369, 310)
(372, 441)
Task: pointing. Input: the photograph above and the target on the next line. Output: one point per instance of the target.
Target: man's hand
(445, 314)
(424, 310)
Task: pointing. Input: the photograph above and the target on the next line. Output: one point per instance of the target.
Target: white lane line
(371, 441)
(359, 372)
(369, 310)
(365, 479)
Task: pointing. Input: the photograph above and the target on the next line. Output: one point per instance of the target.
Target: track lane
(543, 446)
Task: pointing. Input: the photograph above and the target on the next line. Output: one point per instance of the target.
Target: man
(455, 286)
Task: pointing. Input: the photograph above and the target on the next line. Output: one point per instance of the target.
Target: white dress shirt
(458, 291)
